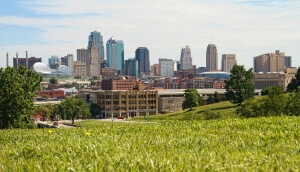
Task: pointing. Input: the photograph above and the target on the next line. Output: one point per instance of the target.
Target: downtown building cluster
(102, 63)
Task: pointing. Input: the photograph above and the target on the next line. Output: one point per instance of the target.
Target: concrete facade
(93, 63)
(211, 58)
(228, 61)
(186, 61)
(270, 62)
(263, 80)
(80, 69)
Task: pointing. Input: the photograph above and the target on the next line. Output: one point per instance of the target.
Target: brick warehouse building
(127, 102)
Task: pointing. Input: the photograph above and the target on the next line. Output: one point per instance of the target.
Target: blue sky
(244, 27)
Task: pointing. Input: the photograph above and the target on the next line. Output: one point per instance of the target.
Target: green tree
(73, 108)
(274, 89)
(210, 99)
(292, 103)
(18, 89)
(191, 98)
(252, 108)
(201, 101)
(240, 86)
(43, 110)
(53, 80)
(295, 82)
(274, 105)
(217, 97)
(94, 109)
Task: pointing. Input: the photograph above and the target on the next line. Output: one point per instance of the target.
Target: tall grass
(260, 144)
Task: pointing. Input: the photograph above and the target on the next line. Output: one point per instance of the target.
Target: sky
(242, 27)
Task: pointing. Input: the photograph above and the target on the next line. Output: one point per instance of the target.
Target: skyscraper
(166, 67)
(288, 61)
(270, 62)
(97, 37)
(115, 54)
(82, 55)
(69, 61)
(186, 59)
(131, 67)
(93, 63)
(228, 61)
(54, 62)
(155, 69)
(142, 56)
(211, 58)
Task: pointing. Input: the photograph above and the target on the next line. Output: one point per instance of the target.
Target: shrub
(211, 114)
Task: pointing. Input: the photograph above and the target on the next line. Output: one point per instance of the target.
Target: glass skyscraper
(96, 36)
(115, 54)
(131, 67)
(142, 56)
(54, 62)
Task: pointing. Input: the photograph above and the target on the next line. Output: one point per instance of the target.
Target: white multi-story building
(186, 59)
(166, 67)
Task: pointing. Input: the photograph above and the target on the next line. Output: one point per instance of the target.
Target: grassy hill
(181, 142)
(223, 110)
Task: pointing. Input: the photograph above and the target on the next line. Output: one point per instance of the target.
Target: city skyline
(46, 28)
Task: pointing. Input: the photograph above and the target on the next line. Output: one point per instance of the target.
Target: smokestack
(26, 59)
(17, 60)
(7, 59)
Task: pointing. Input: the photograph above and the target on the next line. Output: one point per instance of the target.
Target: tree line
(240, 90)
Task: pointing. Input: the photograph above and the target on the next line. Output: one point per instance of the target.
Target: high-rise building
(115, 54)
(69, 61)
(155, 69)
(97, 37)
(54, 62)
(186, 59)
(93, 63)
(228, 61)
(270, 62)
(82, 54)
(142, 56)
(288, 61)
(131, 67)
(211, 58)
(166, 67)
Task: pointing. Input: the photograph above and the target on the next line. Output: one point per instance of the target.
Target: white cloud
(165, 26)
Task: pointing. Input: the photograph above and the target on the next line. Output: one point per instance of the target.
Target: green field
(229, 144)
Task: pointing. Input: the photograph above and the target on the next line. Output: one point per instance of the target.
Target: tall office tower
(69, 61)
(82, 54)
(211, 58)
(131, 67)
(142, 56)
(270, 62)
(166, 67)
(186, 59)
(155, 69)
(93, 63)
(288, 61)
(62, 60)
(228, 61)
(97, 37)
(54, 62)
(115, 54)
